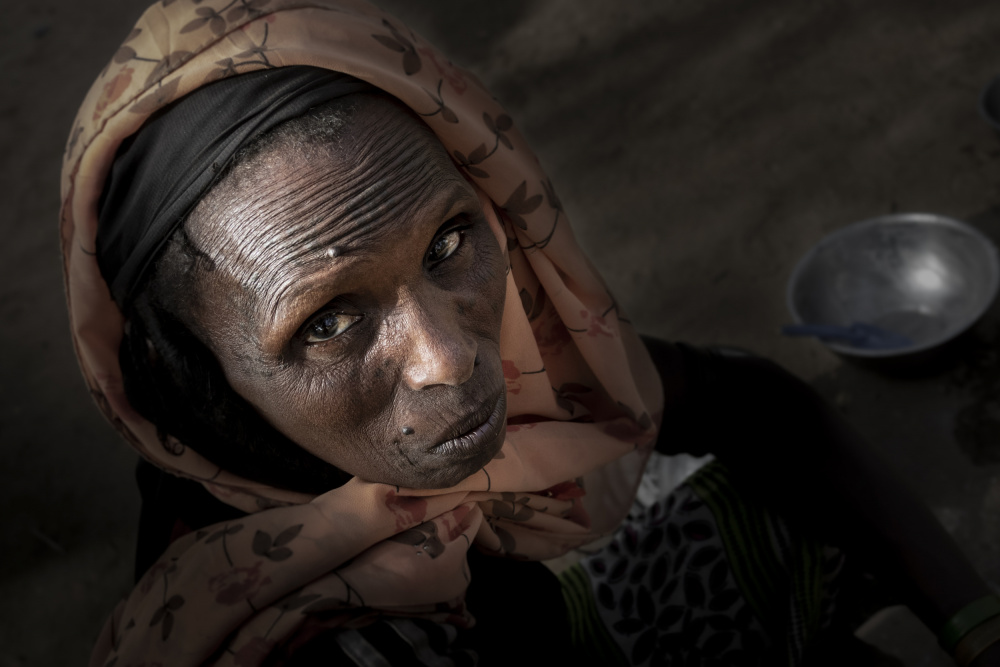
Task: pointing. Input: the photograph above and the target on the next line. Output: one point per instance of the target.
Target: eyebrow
(283, 300)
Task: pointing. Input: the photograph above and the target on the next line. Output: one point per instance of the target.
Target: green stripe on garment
(736, 525)
(589, 636)
(808, 586)
(746, 535)
(795, 558)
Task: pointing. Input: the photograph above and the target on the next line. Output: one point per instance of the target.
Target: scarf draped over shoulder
(584, 399)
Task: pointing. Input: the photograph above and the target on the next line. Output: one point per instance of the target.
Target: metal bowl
(921, 275)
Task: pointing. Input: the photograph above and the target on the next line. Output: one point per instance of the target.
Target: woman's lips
(479, 438)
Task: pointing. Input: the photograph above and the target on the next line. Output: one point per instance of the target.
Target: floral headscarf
(565, 476)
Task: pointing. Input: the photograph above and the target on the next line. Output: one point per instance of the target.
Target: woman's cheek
(306, 401)
(495, 284)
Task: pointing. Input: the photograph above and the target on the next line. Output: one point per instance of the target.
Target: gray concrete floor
(699, 149)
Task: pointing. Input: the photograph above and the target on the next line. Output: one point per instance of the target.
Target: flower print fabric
(584, 400)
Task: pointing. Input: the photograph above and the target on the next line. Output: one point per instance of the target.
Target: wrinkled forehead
(300, 203)
(298, 184)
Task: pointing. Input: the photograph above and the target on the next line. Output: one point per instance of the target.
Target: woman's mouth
(481, 438)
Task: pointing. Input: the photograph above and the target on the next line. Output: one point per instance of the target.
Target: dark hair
(174, 380)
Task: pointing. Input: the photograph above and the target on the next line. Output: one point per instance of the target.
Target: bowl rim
(895, 218)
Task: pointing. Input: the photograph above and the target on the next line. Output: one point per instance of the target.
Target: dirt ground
(699, 148)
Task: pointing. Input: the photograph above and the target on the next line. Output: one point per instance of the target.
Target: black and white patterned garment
(702, 577)
(390, 642)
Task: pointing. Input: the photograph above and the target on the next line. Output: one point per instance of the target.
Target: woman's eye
(445, 246)
(328, 325)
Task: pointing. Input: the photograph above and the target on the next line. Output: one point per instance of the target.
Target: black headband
(163, 170)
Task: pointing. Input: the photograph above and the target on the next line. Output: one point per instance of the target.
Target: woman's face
(356, 302)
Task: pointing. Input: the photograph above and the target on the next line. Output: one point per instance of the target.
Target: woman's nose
(438, 349)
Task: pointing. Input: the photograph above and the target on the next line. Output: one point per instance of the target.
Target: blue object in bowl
(859, 334)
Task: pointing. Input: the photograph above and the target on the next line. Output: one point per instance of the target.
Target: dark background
(699, 148)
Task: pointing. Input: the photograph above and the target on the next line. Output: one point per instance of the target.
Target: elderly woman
(316, 276)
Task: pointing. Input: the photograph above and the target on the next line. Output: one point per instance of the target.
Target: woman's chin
(439, 474)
